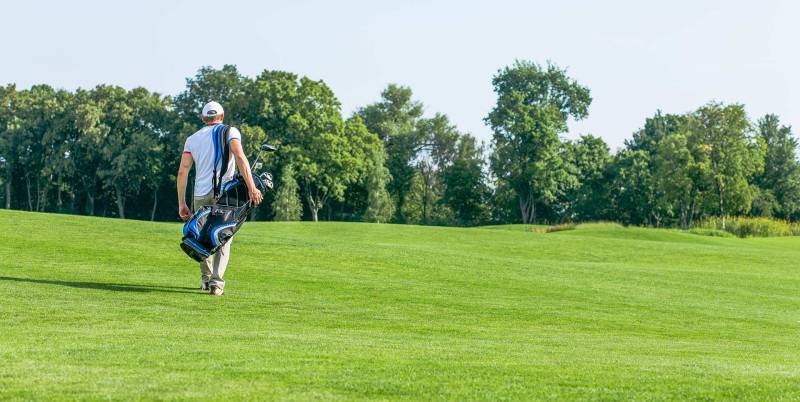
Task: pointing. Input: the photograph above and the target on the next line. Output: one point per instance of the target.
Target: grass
(107, 309)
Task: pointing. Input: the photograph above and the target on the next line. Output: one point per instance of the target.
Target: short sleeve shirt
(201, 147)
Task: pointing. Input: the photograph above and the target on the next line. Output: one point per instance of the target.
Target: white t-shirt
(201, 146)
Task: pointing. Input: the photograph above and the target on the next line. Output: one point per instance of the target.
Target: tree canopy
(112, 151)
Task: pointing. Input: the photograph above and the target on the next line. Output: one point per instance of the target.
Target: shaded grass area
(98, 308)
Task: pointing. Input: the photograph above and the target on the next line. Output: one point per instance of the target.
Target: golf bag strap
(221, 141)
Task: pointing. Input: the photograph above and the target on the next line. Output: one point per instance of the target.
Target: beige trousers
(213, 268)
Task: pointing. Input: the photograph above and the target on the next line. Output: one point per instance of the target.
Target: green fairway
(109, 309)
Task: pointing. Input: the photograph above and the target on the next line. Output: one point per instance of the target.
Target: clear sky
(635, 56)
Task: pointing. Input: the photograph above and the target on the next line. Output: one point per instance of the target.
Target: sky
(635, 56)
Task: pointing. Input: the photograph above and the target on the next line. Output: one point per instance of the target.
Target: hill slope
(97, 308)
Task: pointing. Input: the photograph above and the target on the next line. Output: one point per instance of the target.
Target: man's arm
(183, 174)
(244, 169)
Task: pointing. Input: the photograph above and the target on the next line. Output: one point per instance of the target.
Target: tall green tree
(533, 106)
(631, 187)
(329, 154)
(380, 207)
(723, 141)
(675, 175)
(424, 200)
(287, 205)
(86, 152)
(655, 129)
(395, 119)
(57, 167)
(781, 175)
(465, 190)
(226, 86)
(130, 148)
(585, 197)
(35, 131)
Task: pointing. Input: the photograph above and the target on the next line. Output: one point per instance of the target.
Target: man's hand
(184, 212)
(244, 167)
(256, 197)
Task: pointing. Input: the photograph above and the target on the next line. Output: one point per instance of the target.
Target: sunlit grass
(108, 309)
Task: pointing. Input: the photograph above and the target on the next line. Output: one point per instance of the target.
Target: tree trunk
(90, 197)
(314, 206)
(683, 216)
(155, 205)
(120, 204)
(526, 208)
(43, 200)
(28, 187)
(721, 203)
(59, 201)
(38, 193)
(399, 208)
(8, 193)
(425, 211)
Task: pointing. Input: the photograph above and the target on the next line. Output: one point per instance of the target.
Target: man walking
(199, 150)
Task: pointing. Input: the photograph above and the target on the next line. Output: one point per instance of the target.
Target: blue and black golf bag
(214, 225)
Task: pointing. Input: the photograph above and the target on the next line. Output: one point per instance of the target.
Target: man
(199, 150)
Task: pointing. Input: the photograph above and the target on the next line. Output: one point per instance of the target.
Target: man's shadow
(115, 287)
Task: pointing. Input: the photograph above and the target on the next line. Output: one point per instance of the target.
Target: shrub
(751, 227)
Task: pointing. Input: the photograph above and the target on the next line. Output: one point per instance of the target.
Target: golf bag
(214, 225)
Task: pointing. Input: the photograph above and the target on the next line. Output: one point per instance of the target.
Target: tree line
(109, 151)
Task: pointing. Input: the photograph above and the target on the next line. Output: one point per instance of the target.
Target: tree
(585, 197)
(328, 153)
(226, 86)
(781, 176)
(130, 149)
(655, 129)
(441, 140)
(465, 189)
(415, 146)
(532, 109)
(380, 207)
(675, 168)
(722, 140)
(287, 205)
(35, 129)
(631, 187)
(395, 119)
(57, 165)
(86, 152)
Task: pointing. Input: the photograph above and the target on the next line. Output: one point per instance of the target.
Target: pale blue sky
(636, 56)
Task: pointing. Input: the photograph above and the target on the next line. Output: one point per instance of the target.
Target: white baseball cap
(212, 109)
